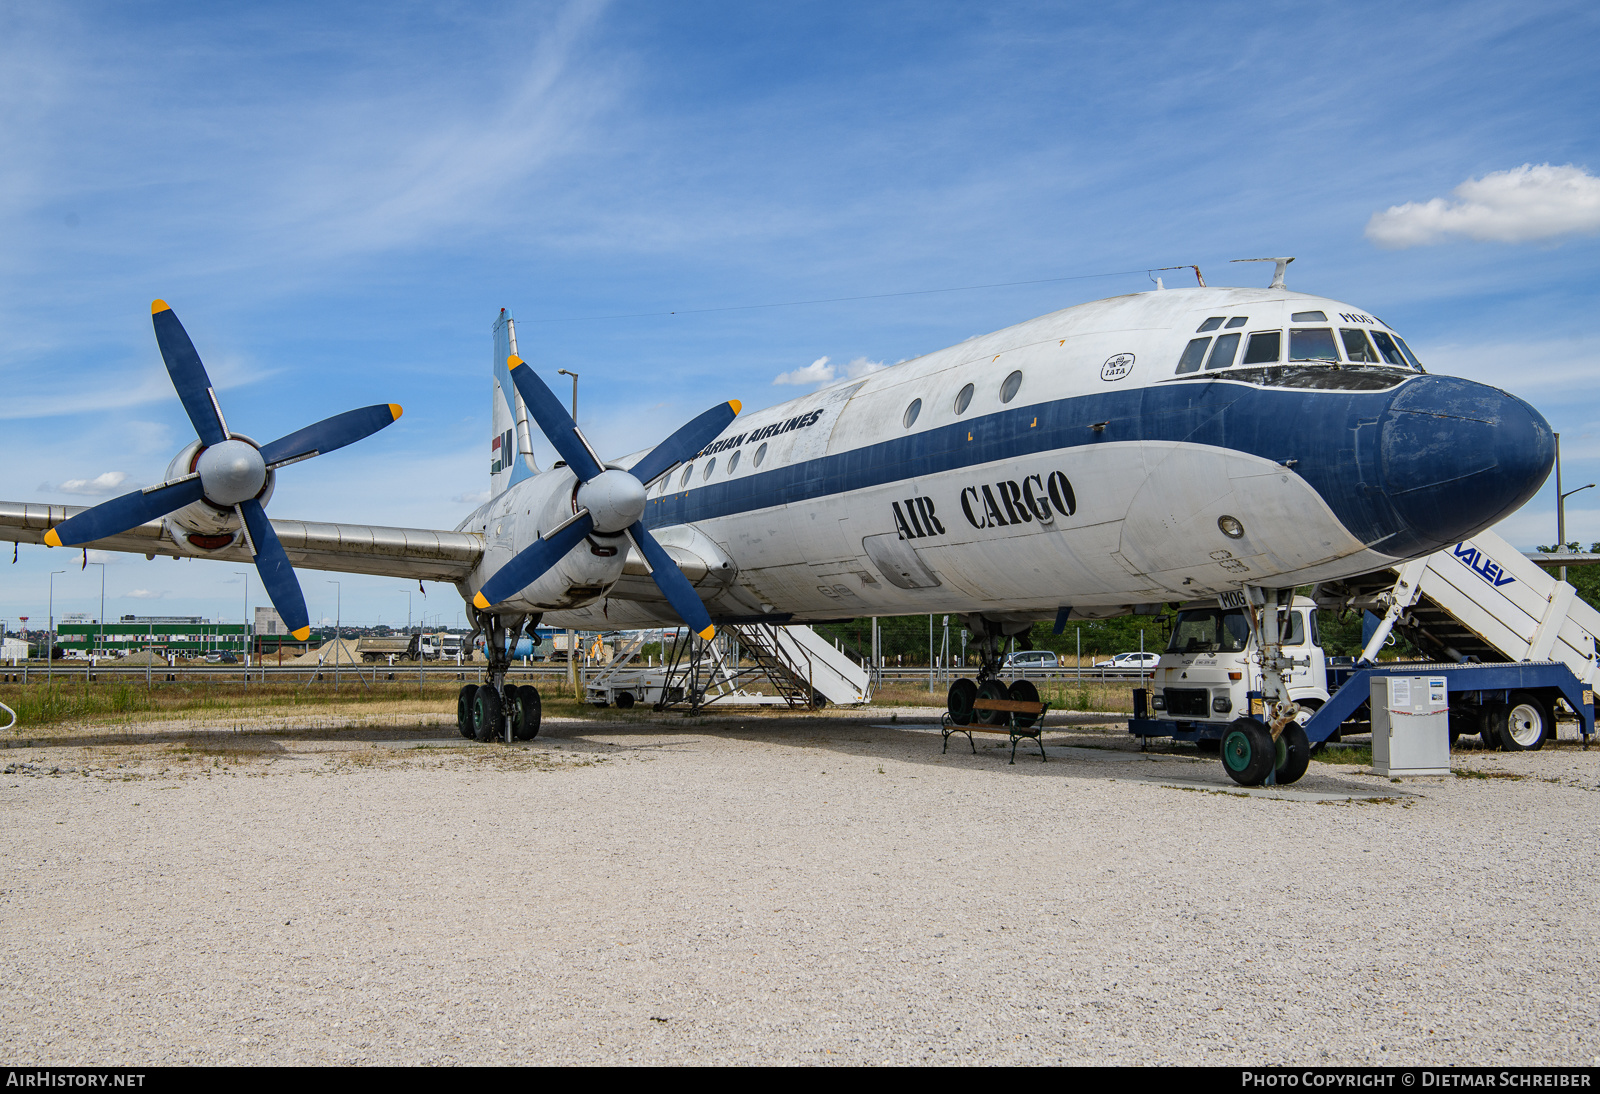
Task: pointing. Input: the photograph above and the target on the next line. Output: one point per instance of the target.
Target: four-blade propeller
(609, 501)
(227, 472)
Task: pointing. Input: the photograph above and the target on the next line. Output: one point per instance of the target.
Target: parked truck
(1514, 643)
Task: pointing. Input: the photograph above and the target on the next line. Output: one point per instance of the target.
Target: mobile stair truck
(1512, 642)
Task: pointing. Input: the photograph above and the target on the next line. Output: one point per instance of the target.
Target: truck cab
(1204, 678)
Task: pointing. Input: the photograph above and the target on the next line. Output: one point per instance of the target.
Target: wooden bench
(1030, 714)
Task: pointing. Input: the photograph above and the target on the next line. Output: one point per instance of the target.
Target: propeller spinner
(609, 500)
(227, 472)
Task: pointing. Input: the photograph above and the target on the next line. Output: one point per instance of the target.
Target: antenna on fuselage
(1277, 275)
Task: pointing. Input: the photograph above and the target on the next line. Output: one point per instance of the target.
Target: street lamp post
(338, 629)
(100, 623)
(50, 635)
(244, 627)
(1561, 507)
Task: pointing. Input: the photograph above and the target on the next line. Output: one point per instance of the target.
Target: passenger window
(1308, 317)
(1193, 354)
(1263, 348)
(1357, 348)
(666, 483)
(687, 471)
(964, 399)
(761, 454)
(710, 467)
(1405, 349)
(1210, 324)
(1238, 321)
(912, 411)
(733, 462)
(1222, 354)
(1008, 390)
(1386, 346)
(1312, 344)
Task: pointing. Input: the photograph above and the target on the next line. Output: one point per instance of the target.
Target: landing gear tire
(1528, 723)
(464, 710)
(1293, 754)
(959, 702)
(1023, 691)
(1248, 752)
(992, 689)
(485, 714)
(525, 712)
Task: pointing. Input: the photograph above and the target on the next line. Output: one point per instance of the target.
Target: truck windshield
(1209, 630)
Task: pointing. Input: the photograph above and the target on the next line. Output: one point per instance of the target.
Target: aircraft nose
(1457, 456)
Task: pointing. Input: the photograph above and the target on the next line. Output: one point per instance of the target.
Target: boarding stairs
(803, 666)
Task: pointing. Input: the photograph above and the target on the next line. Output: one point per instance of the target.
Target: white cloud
(145, 594)
(862, 367)
(1517, 206)
(99, 486)
(817, 372)
(473, 498)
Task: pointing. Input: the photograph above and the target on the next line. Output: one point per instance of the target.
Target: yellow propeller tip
(736, 404)
(394, 408)
(51, 539)
(513, 361)
(158, 306)
(301, 635)
(709, 633)
(480, 603)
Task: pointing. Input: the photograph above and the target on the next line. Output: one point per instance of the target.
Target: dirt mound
(324, 654)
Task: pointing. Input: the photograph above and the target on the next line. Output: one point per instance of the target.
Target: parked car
(1130, 661)
(222, 658)
(1024, 660)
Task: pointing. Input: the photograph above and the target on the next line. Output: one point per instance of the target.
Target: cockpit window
(1238, 321)
(1264, 347)
(1308, 317)
(1312, 344)
(1357, 348)
(1210, 324)
(1193, 354)
(1405, 349)
(1222, 353)
(1386, 346)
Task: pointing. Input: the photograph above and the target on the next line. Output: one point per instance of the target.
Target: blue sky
(337, 199)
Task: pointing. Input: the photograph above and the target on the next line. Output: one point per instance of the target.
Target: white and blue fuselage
(1132, 451)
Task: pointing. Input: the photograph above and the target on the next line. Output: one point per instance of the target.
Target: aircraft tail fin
(510, 443)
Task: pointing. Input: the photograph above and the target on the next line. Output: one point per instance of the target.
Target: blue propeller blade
(686, 443)
(531, 563)
(673, 585)
(112, 517)
(188, 374)
(329, 434)
(276, 573)
(553, 420)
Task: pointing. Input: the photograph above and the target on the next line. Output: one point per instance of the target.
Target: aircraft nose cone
(231, 471)
(1455, 457)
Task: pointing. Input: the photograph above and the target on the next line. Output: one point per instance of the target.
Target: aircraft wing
(421, 553)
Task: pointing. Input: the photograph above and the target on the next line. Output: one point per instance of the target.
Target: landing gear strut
(1273, 748)
(496, 709)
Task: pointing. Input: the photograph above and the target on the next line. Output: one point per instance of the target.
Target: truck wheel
(485, 714)
(959, 701)
(1492, 723)
(1293, 754)
(464, 710)
(1248, 751)
(992, 689)
(624, 700)
(1527, 724)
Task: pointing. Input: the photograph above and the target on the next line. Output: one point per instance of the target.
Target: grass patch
(1360, 755)
(1468, 773)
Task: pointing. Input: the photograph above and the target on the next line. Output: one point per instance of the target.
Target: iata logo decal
(1117, 367)
(1010, 502)
(1482, 565)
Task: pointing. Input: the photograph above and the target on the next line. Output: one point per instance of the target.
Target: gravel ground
(794, 890)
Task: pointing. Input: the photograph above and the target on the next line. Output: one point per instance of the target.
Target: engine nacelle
(205, 527)
(517, 518)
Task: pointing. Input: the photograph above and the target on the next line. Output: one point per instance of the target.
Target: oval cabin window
(761, 454)
(964, 399)
(1008, 390)
(912, 411)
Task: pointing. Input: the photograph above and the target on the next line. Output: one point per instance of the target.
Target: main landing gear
(509, 712)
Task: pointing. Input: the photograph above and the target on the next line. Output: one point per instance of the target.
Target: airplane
(1107, 458)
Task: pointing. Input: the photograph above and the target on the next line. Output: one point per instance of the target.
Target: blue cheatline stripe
(1332, 436)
